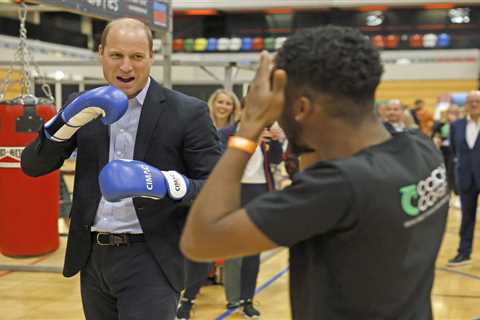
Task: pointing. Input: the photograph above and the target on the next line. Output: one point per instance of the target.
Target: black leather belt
(116, 239)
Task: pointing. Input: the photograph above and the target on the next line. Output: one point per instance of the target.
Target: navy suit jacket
(175, 132)
(468, 160)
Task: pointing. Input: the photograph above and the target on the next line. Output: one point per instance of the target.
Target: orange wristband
(243, 144)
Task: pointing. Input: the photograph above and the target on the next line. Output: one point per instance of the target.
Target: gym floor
(50, 296)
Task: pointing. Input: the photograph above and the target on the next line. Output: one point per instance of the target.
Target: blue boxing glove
(121, 179)
(108, 102)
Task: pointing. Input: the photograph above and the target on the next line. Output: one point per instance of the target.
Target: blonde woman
(224, 108)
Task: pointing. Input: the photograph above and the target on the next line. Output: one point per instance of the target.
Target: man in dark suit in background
(465, 145)
(394, 116)
(127, 252)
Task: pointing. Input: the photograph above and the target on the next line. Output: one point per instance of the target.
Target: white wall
(431, 64)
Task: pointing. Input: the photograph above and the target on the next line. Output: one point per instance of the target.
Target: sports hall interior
(430, 51)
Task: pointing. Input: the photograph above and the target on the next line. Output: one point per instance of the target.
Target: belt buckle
(98, 238)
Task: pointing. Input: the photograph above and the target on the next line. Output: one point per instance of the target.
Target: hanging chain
(24, 57)
(22, 51)
(44, 86)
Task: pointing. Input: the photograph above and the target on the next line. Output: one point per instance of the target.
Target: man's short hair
(148, 32)
(395, 102)
(418, 101)
(337, 62)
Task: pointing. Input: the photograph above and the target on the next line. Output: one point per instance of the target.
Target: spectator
(394, 113)
(224, 108)
(466, 148)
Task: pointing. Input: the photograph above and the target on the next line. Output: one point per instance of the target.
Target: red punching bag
(29, 206)
(29, 214)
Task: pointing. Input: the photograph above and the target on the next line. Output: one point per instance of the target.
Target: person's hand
(107, 102)
(264, 102)
(265, 136)
(272, 133)
(120, 179)
(277, 132)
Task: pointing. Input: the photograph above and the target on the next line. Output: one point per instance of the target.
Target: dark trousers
(192, 291)
(249, 274)
(196, 275)
(467, 227)
(249, 266)
(240, 274)
(241, 278)
(449, 158)
(126, 283)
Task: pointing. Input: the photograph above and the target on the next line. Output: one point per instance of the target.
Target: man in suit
(394, 116)
(465, 146)
(127, 252)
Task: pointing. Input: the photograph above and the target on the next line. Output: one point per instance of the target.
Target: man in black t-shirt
(364, 221)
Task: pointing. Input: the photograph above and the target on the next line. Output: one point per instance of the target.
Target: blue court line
(281, 273)
(465, 274)
(257, 291)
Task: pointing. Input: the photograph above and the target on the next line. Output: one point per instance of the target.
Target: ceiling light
(374, 18)
(459, 15)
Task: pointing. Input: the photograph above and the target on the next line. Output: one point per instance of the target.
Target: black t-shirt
(363, 232)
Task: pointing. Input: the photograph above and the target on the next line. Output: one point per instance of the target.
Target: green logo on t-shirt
(417, 198)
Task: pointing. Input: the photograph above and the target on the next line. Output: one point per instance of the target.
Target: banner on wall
(152, 12)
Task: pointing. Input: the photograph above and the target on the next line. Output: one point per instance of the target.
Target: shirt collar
(469, 119)
(398, 124)
(142, 94)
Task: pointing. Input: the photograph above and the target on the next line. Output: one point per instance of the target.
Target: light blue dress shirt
(120, 217)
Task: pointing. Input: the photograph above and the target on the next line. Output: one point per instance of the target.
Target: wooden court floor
(49, 296)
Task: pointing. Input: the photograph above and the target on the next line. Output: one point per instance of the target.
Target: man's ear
(100, 51)
(302, 108)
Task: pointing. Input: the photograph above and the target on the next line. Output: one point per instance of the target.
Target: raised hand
(265, 100)
(107, 101)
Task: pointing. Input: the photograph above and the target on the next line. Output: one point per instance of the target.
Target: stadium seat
(200, 44)
(378, 41)
(188, 45)
(223, 44)
(269, 44)
(443, 40)
(212, 44)
(430, 40)
(415, 41)
(177, 45)
(246, 44)
(392, 41)
(279, 42)
(235, 44)
(258, 43)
